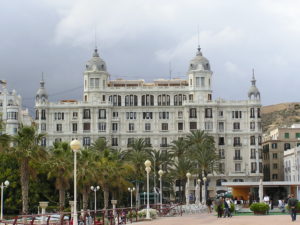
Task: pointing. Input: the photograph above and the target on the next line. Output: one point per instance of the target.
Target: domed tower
(253, 93)
(41, 95)
(199, 74)
(95, 78)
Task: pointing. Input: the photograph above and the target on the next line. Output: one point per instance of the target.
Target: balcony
(164, 145)
(237, 158)
(253, 157)
(237, 144)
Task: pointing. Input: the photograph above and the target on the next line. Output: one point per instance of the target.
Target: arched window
(219, 182)
(131, 100)
(163, 100)
(147, 100)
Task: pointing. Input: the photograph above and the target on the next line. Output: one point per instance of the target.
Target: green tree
(28, 152)
(60, 166)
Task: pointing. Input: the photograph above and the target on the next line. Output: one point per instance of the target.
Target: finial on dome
(199, 51)
(42, 82)
(95, 54)
(253, 81)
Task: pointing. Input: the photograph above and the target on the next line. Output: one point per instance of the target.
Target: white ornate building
(11, 110)
(161, 111)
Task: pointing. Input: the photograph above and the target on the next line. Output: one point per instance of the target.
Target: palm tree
(27, 152)
(136, 154)
(60, 166)
(179, 148)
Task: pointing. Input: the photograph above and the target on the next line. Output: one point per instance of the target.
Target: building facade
(12, 113)
(275, 143)
(160, 112)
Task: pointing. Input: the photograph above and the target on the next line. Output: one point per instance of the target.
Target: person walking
(209, 204)
(219, 204)
(292, 203)
(227, 208)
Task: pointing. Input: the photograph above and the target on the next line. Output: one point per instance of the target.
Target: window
(222, 168)
(193, 125)
(114, 141)
(275, 166)
(180, 114)
(59, 116)
(57, 140)
(163, 115)
(252, 113)
(274, 145)
(297, 135)
(209, 97)
(193, 113)
(180, 126)
(275, 156)
(147, 100)
(208, 125)
(287, 146)
(148, 141)
(43, 127)
(115, 99)
(114, 127)
(237, 180)
(286, 135)
(43, 142)
(59, 127)
(253, 153)
(220, 114)
(36, 114)
(253, 167)
(221, 153)
(237, 154)
(130, 141)
(259, 139)
(236, 114)
(43, 116)
(103, 98)
(164, 142)
(131, 100)
(74, 127)
(221, 126)
(86, 141)
(163, 100)
(130, 115)
(131, 127)
(147, 126)
(102, 114)
(252, 125)
(86, 127)
(164, 126)
(237, 167)
(178, 99)
(252, 140)
(258, 112)
(102, 127)
(237, 141)
(275, 176)
(75, 115)
(115, 114)
(236, 126)
(208, 113)
(221, 141)
(147, 115)
(86, 114)
(191, 97)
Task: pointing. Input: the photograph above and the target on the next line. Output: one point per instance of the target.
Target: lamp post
(95, 189)
(187, 195)
(3, 185)
(197, 191)
(204, 192)
(75, 146)
(131, 190)
(148, 169)
(144, 199)
(160, 173)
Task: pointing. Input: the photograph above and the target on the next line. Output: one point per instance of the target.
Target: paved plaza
(213, 220)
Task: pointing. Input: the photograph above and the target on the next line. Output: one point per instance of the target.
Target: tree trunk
(62, 194)
(137, 195)
(106, 197)
(24, 184)
(85, 199)
(180, 193)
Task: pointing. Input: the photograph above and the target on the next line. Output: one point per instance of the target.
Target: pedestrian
(219, 205)
(292, 203)
(209, 204)
(227, 208)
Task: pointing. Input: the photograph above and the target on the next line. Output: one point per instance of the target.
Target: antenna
(170, 70)
(42, 76)
(198, 36)
(95, 37)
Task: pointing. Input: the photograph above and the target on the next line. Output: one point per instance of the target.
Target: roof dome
(42, 93)
(96, 63)
(253, 92)
(199, 62)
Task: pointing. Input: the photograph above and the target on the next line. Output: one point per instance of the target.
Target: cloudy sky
(139, 39)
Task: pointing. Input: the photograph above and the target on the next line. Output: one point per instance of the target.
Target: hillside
(283, 114)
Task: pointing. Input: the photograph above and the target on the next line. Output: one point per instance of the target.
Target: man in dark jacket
(292, 203)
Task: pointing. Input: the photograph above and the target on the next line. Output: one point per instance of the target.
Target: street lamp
(3, 185)
(160, 173)
(131, 190)
(95, 189)
(187, 195)
(75, 146)
(204, 195)
(144, 199)
(148, 169)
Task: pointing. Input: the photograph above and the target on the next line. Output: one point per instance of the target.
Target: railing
(100, 217)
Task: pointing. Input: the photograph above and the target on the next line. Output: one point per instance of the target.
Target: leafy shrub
(231, 209)
(259, 207)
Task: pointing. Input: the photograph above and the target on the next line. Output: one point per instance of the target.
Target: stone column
(71, 203)
(114, 203)
(43, 205)
(261, 191)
